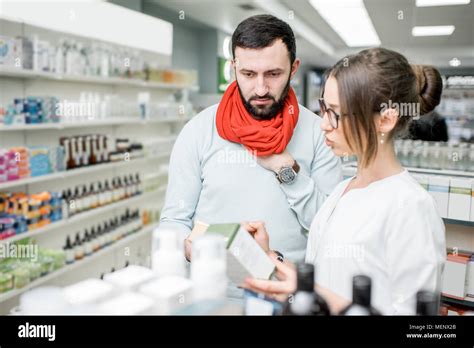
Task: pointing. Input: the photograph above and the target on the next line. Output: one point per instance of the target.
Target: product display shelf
(79, 171)
(452, 301)
(83, 216)
(118, 121)
(352, 167)
(68, 268)
(350, 170)
(32, 74)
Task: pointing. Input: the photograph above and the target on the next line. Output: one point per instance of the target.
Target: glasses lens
(332, 118)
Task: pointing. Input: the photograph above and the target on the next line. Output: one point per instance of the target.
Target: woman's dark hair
(261, 31)
(378, 78)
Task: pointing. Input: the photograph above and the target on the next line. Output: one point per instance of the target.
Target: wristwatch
(287, 175)
(279, 255)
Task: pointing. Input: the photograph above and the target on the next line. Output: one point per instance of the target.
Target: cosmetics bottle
(69, 251)
(78, 248)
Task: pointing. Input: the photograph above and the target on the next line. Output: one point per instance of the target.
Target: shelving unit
(82, 216)
(106, 122)
(452, 301)
(146, 230)
(32, 74)
(79, 171)
(20, 83)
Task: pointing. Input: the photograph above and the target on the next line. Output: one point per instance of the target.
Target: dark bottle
(361, 297)
(78, 247)
(427, 303)
(138, 183)
(306, 301)
(69, 251)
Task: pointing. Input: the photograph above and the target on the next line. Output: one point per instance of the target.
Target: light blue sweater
(216, 181)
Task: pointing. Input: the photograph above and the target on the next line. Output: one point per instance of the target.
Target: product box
(169, 293)
(10, 50)
(438, 187)
(130, 278)
(454, 277)
(88, 292)
(422, 179)
(245, 258)
(129, 303)
(460, 196)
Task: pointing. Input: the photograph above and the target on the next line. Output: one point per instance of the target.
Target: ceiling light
(437, 30)
(454, 62)
(350, 20)
(429, 3)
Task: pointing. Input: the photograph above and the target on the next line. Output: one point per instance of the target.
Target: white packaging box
(454, 277)
(130, 278)
(129, 303)
(460, 199)
(88, 292)
(472, 201)
(422, 179)
(438, 187)
(169, 293)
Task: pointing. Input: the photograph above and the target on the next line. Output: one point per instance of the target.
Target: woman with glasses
(381, 222)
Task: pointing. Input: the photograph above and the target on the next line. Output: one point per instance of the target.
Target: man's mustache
(264, 97)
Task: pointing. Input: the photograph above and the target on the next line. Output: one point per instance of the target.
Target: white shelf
(67, 268)
(79, 171)
(82, 216)
(31, 74)
(118, 121)
(427, 171)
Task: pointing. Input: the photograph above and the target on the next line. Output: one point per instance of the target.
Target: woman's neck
(385, 164)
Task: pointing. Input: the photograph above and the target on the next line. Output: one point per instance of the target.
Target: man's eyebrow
(266, 72)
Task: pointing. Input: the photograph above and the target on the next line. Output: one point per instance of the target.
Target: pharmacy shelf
(68, 268)
(459, 222)
(79, 171)
(32, 74)
(353, 167)
(455, 302)
(83, 216)
(117, 121)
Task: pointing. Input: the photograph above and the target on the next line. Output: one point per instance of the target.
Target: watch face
(287, 175)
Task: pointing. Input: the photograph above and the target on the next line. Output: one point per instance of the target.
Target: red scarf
(264, 137)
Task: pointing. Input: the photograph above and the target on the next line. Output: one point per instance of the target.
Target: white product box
(129, 303)
(438, 187)
(454, 277)
(89, 291)
(460, 199)
(10, 50)
(422, 179)
(169, 293)
(130, 278)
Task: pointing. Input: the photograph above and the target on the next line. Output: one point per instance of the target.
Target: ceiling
(393, 32)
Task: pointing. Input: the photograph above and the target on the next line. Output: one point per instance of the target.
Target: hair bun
(429, 86)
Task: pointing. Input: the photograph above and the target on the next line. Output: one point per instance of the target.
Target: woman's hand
(278, 289)
(259, 233)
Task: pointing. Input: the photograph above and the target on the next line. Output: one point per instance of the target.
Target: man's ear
(387, 120)
(294, 67)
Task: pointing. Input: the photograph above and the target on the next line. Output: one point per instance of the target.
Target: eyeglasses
(332, 115)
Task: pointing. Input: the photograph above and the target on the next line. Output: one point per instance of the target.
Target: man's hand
(276, 161)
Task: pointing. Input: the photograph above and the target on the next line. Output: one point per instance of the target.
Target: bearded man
(258, 155)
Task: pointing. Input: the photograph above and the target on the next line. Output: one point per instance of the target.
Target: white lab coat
(390, 231)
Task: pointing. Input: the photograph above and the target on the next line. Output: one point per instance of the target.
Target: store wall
(194, 45)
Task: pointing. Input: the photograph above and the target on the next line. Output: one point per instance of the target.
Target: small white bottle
(208, 268)
(168, 255)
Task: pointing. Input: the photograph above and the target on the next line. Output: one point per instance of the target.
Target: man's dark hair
(261, 31)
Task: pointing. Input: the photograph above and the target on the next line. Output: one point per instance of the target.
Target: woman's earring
(382, 140)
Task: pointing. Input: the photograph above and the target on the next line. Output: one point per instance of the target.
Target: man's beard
(265, 112)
